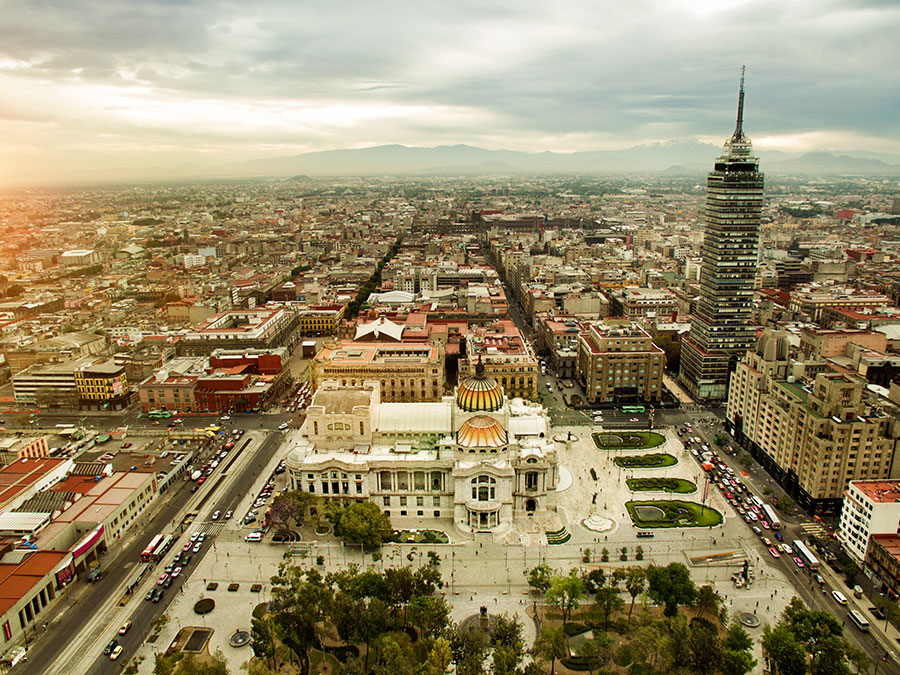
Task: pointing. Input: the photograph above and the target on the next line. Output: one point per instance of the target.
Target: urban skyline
(99, 92)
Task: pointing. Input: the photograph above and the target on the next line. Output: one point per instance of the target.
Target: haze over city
(98, 90)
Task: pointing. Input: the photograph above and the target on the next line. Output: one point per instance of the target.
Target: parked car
(774, 552)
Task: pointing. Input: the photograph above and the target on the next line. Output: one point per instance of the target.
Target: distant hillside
(676, 157)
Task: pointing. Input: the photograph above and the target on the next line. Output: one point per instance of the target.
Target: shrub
(604, 555)
(575, 628)
(204, 606)
(623, 656)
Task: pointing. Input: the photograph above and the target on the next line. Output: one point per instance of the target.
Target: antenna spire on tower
(739, 127)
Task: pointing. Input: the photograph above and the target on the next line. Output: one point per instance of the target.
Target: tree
(551, 644)
(785, 650)
(263, 639)
(180, 663)
(468, 647)
(829, 658)
(539, 577)
(737, 639)
(506, 659)
(609, 601)
(858, 658)
(598, 651)
(565, 593)
(737, 663)
(706, 649)
(370, 624)
(594, 581)
(430, 614)
(393, 659)
(707, 600)
(506, 631)
(635, 582)
(672, 586)
(364, 523)
(650, 647)
(439, 658)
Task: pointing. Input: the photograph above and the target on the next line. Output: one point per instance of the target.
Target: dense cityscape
(493, 339)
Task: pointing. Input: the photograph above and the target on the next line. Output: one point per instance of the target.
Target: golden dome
(481, 431)
(479, 393)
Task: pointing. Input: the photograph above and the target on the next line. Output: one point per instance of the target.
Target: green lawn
(653, 460)
(628, 440)
(673, 513)
(658, 484)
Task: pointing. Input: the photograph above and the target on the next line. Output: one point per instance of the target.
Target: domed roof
(479, 393)
(481, 431)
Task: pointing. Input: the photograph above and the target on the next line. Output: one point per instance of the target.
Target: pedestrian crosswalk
(815, 529)
(212, 528)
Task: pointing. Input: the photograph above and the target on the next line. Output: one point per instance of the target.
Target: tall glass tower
(722, 328)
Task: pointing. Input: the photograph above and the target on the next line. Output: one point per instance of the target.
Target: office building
(722, 329)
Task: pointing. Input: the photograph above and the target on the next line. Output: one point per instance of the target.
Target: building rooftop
(879, 491)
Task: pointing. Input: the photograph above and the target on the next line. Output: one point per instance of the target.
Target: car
(225, 417)
(283, 426)
(201, 480)
(779, 536)
(228, 515)
(157, 595)
(198, 546)
(756, 530)
(162, 578)
(185, 559)
(176, 572)
(840, 597)
(786, 549)
(253, 536)
(728, 495)
(150, 593)
(249, 519)
(215, 515)
(634, 419)
(124, 628)
(167, 582)
(799, 562)
(187, 546)
(168, 568)
(202, 537)
(820, 580)
(115, 653)
(126, 445)
(194, 536)
(767, 542)
(177, 420)
(765, 524)
(107, 650)
(774, 552)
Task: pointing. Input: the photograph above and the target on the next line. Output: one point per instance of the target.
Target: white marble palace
(487, 462)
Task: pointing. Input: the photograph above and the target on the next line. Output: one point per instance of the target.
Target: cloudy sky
(99, 88)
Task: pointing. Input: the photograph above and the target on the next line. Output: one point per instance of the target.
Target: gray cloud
(529, 75)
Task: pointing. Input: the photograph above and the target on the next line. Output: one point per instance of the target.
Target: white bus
(771, 517)
(858, 620)
(806, 555)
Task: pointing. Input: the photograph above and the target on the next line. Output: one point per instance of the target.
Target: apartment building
(814, 436)
(618, 361)
(870, 507)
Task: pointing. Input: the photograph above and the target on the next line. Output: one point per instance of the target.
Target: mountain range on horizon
(674, 157)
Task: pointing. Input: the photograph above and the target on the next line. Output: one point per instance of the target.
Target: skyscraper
(721, 330)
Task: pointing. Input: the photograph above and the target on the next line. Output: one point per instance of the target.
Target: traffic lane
(146, 614)
(44, 653)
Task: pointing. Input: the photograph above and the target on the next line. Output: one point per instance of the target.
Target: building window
(437, 514)
(386, 501)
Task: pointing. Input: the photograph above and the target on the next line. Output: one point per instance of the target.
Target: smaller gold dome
(481, 431)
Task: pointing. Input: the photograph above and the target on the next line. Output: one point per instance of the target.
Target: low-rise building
(618, 361)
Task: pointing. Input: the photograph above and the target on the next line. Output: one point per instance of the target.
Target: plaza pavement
(480, 571)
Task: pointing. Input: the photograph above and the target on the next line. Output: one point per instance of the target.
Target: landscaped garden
(653, 460)
(659, 484)
(628, 440)
(419, 537)
(672, 513)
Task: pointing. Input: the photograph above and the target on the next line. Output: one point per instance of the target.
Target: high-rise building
(721, 330)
